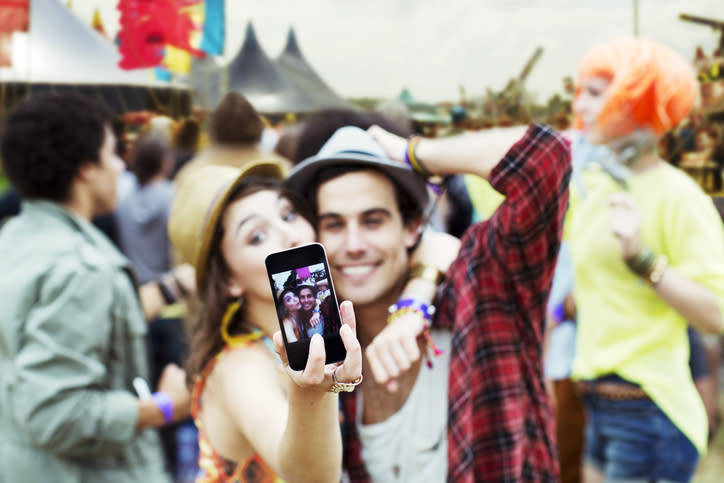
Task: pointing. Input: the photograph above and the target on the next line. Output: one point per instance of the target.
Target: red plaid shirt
(500, 425)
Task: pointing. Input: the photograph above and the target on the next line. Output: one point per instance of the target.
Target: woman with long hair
(291, 311)
(648, 253)
(257, 419)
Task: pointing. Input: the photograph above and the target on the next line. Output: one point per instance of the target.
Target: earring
(237, 340)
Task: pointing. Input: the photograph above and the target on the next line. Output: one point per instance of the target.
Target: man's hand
(395, 146)
(395, 349)
(625, 223)
(315, 319)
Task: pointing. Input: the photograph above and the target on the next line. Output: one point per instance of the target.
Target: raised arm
(472, 153)
(296, 433)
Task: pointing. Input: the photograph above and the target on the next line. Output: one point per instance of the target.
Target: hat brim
(271, 170)
(303, 175)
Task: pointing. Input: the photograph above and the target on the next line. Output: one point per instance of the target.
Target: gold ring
(343, 386)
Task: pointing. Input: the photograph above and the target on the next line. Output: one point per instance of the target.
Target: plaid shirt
(500, 425)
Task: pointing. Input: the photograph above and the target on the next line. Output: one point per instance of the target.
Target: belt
(611, 390)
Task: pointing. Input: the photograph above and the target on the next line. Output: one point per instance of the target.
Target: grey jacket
(72, 338)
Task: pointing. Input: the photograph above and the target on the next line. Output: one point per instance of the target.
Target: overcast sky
(375, 47)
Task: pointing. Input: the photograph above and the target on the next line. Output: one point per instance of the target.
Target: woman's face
(291, 302)
(255, 226)
(588, 104)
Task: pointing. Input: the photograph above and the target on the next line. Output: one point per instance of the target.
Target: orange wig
(650, 86)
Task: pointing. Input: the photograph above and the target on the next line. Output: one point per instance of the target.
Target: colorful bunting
(97, 23)
(152, 31)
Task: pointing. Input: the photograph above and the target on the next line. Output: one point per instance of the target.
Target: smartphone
(302, 286)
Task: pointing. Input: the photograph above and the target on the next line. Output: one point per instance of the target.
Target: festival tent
(207, 81)
(294, 66)
(254, 75)
(63, 54)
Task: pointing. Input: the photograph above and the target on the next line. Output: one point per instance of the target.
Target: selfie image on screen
(304, 303)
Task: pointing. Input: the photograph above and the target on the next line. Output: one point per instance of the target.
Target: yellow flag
(177, 60)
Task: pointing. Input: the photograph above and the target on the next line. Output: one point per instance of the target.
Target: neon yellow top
(484, 198)
(624, 327)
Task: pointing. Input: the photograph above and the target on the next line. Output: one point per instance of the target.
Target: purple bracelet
(164, 404)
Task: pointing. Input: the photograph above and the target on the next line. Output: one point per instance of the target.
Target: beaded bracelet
(408, 306)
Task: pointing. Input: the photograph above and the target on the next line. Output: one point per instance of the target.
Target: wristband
(179, 285)
(558, 313)
(426, 272)
(164, 404)
(406, 306)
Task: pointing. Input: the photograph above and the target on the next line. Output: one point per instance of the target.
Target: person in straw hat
(254, 414)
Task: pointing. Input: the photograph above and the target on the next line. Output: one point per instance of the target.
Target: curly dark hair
(235, 121)
(46, 140)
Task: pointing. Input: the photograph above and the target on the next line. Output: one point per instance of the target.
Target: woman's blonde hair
(651, 85)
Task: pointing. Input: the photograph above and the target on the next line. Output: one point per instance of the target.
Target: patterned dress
(214, 468)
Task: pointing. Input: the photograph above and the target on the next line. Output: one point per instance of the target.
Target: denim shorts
(632, 439)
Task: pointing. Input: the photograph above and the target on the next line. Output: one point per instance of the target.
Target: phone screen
(306, 302)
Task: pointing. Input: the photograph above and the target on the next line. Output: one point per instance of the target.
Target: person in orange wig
(648, 252)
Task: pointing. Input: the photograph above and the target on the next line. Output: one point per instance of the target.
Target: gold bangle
(426, 272)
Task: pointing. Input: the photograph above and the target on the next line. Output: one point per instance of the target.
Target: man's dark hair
(148, 158)
(235, 121)
(320, 126)
(410, 209)
(47, 139)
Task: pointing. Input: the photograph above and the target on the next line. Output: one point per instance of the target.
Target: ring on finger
(340, 386)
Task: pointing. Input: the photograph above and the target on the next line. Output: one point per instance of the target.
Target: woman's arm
(696, 303)
(297, 434)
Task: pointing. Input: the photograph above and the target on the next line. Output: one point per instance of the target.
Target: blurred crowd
(571, 329)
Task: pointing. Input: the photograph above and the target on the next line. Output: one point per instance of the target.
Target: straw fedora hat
(197, 205)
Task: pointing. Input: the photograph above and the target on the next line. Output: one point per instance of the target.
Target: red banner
(147, 26)
(13, 18)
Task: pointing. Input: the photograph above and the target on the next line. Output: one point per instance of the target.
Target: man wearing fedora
(482, 411)
(72, 337)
